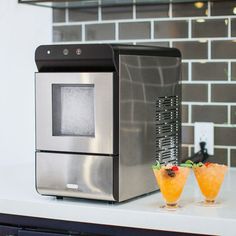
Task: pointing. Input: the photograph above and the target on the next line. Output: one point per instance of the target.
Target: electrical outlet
(204, 132)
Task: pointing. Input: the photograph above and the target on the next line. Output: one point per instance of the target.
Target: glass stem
(171, 205)
(210, 201)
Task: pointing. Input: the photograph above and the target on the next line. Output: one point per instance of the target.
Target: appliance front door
(74, 112)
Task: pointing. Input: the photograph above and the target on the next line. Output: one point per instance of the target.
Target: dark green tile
(225, 136)
(66, 33)
(233, 27)
(152, 11)
(58, 15)
(171, 29)
(223, 93)
(192, 50)
(184, 153)
(220, 156)
(233, 114)
(117, 12)
(206, 113)
(100, 31)
(187, 135)
(225, 49)
(233, 71)
(83, 14)
(233, 158)
(115, 3)
(184, 71)
(184, 114)
(209, 28)
(194, 92)
(134, 30)
(188, 9)
(223, 7)
(159, 44)
(210, 71)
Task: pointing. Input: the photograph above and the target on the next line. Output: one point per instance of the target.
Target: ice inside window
(73, 110)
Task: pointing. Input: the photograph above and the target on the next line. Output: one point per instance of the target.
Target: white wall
(22, 29)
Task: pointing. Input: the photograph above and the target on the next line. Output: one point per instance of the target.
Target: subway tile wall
(206, 35)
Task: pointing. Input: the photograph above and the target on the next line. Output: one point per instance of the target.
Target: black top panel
(92, 57)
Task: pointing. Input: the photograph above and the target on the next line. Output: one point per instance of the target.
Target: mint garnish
(199, 164)
(191, 164)
(157, 165)
(187, 163)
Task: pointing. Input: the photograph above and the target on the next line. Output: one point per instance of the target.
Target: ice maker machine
(104, 114)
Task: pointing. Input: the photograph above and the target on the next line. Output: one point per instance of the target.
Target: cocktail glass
(210, 178)
(171, 183)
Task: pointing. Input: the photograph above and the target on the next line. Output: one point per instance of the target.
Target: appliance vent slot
(167, 129)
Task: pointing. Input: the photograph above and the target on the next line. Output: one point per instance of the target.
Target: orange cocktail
(171, 180)
(210, 177)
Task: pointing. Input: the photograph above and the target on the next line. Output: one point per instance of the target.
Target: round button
(65, 51)
(78, 51)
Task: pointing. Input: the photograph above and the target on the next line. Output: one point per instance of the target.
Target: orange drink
(210, 177)
(171, 180)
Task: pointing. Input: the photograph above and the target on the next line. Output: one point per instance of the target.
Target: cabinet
(8, 231)
(15, 231)
(34, 233)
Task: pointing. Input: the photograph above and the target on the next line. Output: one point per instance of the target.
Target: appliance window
(73, 110)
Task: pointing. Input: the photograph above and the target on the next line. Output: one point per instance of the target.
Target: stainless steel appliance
(104, 113)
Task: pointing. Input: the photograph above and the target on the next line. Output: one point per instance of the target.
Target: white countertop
(19, 197)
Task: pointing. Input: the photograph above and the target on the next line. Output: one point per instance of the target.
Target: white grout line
(190, 113)
(221, 146)
(229, 114)
(223, 82)
(209, 50)
(99, 12)
(185, 145)
(83, 32)
(209, 92)
(189, 151)
(170, 11)
(209, 9)
(66, 15)
(189, 28)
(152, 30)
(145, 19)
(116, 31)
(215, 125)
(216, 146)
(207, 103)
(134, 9)
(187, 124)
(189, 72)
(199, 39)
(206, 60)
(229, 71)
(228, 156)
(229, 27)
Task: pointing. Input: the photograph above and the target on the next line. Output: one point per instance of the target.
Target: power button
(78, 51)
(65, 52)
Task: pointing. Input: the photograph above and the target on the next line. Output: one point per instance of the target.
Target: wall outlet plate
(204, 132)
